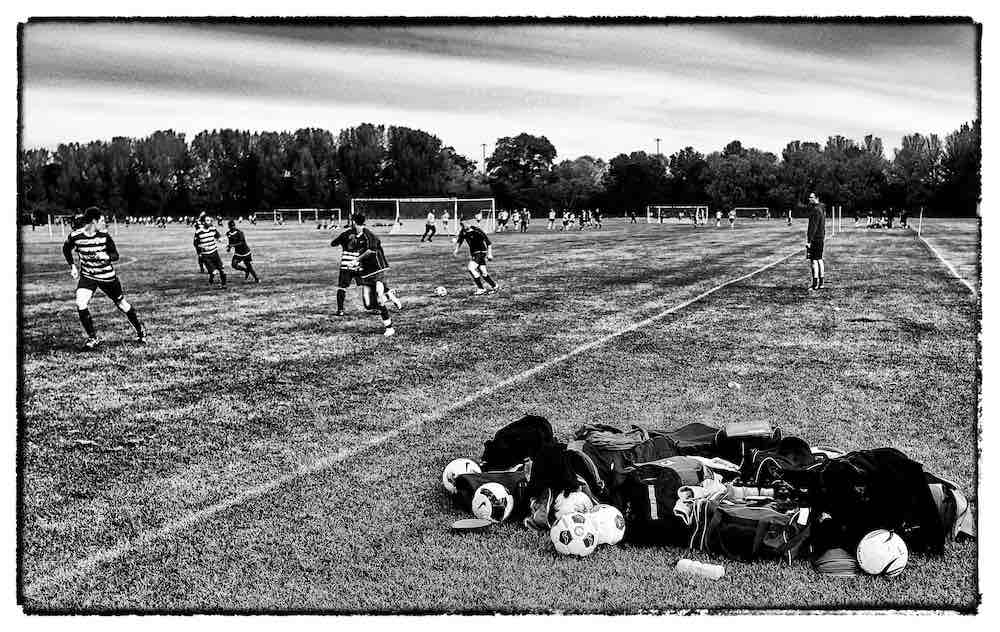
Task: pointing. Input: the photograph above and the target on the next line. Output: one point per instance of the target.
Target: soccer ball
(574, 534)
(456, 467)
(573, 502)
(441, 290)
(493, 502)
(882, 552)
(610, 524)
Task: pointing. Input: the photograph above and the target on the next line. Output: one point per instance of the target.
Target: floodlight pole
(920, 225)
(484, 157)
(658, 146)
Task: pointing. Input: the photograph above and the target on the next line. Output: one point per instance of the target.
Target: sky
(590, 89)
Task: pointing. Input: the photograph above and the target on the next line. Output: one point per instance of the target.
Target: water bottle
(691, 567)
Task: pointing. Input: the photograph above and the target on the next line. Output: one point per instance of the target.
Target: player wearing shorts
(96, 252)
(206, 239)
(718, 219)
(480, 251)
(567, 218)
(552, 219)
(596, 215)
(348, 241)
(430, 228)
(372, 267)
(242, 259)
(732, 217)
(815, 236)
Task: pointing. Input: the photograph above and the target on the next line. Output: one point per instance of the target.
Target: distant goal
(330, 217)
(753, 212)
(408, 216)
(663, 213)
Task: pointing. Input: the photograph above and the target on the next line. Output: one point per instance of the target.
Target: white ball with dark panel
(882, 552)
(610, 524)
(493, 502)
(573, 502)
(455, 468)
(441, 290)
(574, 534)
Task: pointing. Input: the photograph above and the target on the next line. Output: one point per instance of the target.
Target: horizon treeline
(232, 172)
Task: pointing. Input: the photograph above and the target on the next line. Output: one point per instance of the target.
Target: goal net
(753, 212)
(663, 213)
(318, 216)
(409, 216)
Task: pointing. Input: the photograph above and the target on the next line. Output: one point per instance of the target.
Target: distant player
(552, 219)
(444, 222)
(430, 227)
(372, 266)
(97, 251)
(732, 217)
(566, 219)
(480, 251)
(815, 236)
(789, 217)
(631, 217)
(525, 220)
(242, 259)
(718, 219)
(596, 216)
(206, 242)
(904, 217)
(348, 241)
(502, 218)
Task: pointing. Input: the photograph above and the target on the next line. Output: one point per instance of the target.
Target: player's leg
(473, 268)
(83, 295)
(201, 265)
(485, 275)
(369, 296)
(217, 262)
(236, 265)
(434, 231)
(248, 264)
(343, 282)
(116, 293)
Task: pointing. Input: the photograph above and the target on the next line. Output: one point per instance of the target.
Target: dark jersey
(817, 224)
(371, 257)
(348, 240)
(205, 240)
(238, 241)
(96, 253)
(475, 237)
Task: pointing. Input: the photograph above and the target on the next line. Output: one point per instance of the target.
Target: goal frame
(300, 215)
(655, 215)
(746, 209)
(488, 224)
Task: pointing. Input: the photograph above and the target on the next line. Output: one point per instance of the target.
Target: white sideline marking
(75, 570)
(948, 265)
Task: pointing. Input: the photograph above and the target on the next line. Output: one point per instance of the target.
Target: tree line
(233, 172)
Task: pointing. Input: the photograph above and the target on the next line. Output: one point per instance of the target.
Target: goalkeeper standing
(815, 236)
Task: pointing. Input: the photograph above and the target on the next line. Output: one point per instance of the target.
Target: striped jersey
(206, 240)
(371, 257)
(96, 253)
(348, 240)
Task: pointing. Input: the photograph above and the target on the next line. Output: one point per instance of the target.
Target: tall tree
(361, 157)
(519, 168)
(961, 164)
(634, 181)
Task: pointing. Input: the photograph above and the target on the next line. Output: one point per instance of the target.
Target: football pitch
(260, 453)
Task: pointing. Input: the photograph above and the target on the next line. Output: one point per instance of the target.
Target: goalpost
(318, 216)
(660, 213)
(408, 216)
(753, 212)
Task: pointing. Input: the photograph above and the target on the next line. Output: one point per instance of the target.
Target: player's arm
(68, 255)
(339, 239)
(370, 246)
(111, 249)
(458, 242)
(489, 247)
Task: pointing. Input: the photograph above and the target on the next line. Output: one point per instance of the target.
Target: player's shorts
(248, 257)
(478, 258)
(815, 251)
(347, 276)
(378, 277)
(212, 261)
(112, 289)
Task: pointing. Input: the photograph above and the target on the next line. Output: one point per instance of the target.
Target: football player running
(480, 251)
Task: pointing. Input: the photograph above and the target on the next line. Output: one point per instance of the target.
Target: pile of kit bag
(743, 491)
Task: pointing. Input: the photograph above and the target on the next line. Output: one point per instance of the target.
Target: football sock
(478, 281)
(251, 271)
(384, 311)
(487, 278)
(222, 277)
(133, 318)
(88, 323)
(341, 292)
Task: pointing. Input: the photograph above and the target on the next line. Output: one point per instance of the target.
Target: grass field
(148, 472)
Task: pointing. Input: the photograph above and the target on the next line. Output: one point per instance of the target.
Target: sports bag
(746, 532)
(736, 440)
(515, 482)
(602, 457)
(694, 439)
(519, 440)
(953, 508)
(785, 461)
(647, 496)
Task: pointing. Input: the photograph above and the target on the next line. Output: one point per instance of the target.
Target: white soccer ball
(882, 552)
(456, 467)
(493, 502)
(610, 524)
(441, 290)
(574, 534)
(573, 502)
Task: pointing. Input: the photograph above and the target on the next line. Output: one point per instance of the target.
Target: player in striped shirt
(238, 241)
(350, 266)
(96, 252)
(206, 242)
(480, 251)
(372, 266)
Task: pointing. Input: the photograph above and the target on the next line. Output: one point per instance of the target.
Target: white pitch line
(948, 265)
(82, 567)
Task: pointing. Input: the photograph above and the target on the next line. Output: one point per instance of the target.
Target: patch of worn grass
(241, 386)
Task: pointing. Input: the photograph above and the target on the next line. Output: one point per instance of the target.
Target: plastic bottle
(691, 567)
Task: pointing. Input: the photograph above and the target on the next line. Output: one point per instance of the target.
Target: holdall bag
(784, 462)
(745, 532)
(602, 457)
(736, 440)
(521, 439)
(647, 496)
(695, 439)
(515, 482)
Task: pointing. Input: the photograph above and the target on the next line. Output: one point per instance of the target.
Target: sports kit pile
(743, 491)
